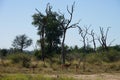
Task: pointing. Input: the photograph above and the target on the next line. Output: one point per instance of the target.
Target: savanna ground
(53, 71)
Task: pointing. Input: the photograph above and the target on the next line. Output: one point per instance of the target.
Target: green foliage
(38, 54)
(49, 30)
(22, 58)
(107, 56)
(116, 47)
(111, 56)
(21, 42)
(3, 52)
(53, 32)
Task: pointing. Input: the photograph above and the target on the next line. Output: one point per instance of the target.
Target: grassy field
(33, 77)
(95, 67)
(95, 71)
(60, 77)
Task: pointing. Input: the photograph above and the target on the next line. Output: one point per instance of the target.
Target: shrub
(21, 58)
(111, 56)
(108, 56)
(38, 54)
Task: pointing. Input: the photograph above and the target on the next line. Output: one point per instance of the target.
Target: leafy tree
(49, 30)
(21, 42)
(53, 30)
(3, 52)
(39, 21)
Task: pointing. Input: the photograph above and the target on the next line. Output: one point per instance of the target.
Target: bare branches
(71, 14)
(107, 32)
(40, 14)
(103, 38)
(72, 9)
(74, 25)
(65, 26)
(83, 33)
(48, 8)
(111, 42)
(93, 39)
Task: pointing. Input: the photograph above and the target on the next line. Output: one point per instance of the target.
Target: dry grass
(96, 71)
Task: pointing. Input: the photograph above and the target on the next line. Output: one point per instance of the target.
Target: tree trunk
(21, 50)
(43, 44)
(63, 50)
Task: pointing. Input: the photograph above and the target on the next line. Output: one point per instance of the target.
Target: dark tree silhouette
(66, 24)
(53, 30)
(39, 20)
(21, 42)
(49, 30)
(83, 33)
(103, 38)
(93, 40)
(3, 54)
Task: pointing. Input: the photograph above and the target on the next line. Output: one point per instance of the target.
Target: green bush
(38, 54)
(108, 56)
(111, 56)
(21, 58)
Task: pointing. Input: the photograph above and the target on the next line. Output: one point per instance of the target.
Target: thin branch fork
(71, 14)
(74, 25)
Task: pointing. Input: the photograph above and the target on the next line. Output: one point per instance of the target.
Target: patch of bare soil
(104, 76)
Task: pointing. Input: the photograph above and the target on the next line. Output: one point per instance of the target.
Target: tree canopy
(49, 30)
(21, 42)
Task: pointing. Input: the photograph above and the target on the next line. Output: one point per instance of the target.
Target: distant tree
(93, 40)
(103, 38)
(116, 47)
(3, 54)
(84, 35)
(21, 42)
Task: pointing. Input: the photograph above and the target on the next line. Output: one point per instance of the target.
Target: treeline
(74, 51)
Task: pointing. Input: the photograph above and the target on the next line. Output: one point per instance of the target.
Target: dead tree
(103, 38)
(66, 24)
(93, 40)
(83, 33)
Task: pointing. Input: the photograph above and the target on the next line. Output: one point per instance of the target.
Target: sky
(16, 18)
